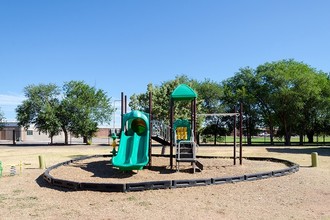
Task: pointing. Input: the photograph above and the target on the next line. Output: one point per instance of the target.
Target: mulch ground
(100, 170)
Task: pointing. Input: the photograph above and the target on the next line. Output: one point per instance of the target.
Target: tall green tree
(79, 110)
(240, 89)
(286, 96)
(82, 109)
(321, 125)
(40, 109)
(315, 95)
(209, 95)
(289, 91)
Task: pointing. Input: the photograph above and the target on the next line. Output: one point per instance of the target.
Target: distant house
(32, 135)
(12, 129)
(6, 133)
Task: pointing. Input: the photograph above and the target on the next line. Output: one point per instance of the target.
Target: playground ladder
(186, 152)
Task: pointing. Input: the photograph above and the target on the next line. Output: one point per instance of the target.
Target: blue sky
(121, 46)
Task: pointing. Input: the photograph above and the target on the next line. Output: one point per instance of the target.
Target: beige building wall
(32, 135)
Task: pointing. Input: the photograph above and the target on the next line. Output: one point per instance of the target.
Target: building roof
(9, 123)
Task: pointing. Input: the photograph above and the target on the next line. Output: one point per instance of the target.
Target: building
(6, 133)
(12, 130)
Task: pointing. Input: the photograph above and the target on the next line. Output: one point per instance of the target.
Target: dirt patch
(302, 195)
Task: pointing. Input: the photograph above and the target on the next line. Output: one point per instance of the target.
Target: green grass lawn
(260, 140)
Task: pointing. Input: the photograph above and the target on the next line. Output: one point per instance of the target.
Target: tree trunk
(287, 139)
(287, 134)
(51, 140)
(215, 132)
(85, 140)
(66, 136)
(301, 139)
(310, 136)
(248, 132)
(271, 135)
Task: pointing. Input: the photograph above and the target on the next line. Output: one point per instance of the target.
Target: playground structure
(138, 129)
(185, 144)
(134, 142)
(183, 132)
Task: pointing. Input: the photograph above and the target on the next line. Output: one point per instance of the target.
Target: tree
(316, 96)
(215, 130)
(321, 125)
(48, 122)
(289, 92)
(40, 109)
(79, 110)
(209, 95)
(240, 89)
(286, 96)
(266, 110)
(83, 108)
(161, 99)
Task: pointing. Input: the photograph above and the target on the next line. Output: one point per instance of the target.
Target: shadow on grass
(322, 151)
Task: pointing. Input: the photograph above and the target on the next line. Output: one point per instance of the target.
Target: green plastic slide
(134, 142)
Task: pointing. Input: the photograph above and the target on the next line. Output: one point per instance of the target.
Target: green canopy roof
(183, 92)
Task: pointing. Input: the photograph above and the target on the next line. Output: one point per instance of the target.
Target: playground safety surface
(97, 174)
